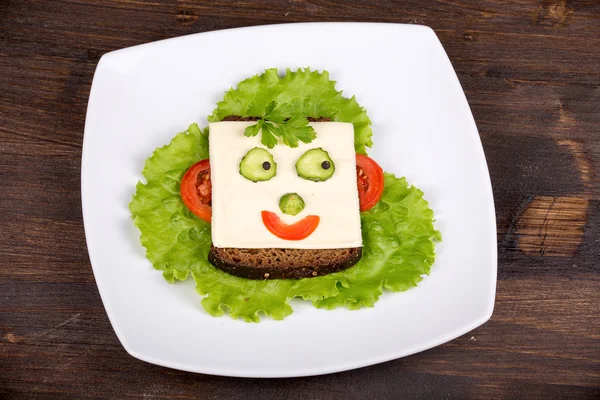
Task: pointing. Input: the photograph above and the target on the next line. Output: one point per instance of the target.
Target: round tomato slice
(369, 177)
(297, 231)
(196, 190)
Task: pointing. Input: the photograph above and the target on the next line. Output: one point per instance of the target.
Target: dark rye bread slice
(283, 263)
(272, 263)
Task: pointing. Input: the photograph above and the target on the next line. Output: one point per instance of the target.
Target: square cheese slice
(237, 202)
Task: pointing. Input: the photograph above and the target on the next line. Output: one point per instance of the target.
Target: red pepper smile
(296, 231)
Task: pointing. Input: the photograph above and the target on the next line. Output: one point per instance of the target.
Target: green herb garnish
(277, 122)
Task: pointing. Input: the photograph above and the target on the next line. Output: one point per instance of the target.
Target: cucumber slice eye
(258, 165)
(315, 165)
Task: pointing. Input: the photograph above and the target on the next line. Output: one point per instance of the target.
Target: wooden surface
(531, 72)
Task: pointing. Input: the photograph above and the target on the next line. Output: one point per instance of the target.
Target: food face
(304, 197)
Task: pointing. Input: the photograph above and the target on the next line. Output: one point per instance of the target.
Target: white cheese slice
(237, 202)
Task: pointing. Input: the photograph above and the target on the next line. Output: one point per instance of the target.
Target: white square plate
(423, 129)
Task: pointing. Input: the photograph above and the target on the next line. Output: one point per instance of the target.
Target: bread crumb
(266, 275)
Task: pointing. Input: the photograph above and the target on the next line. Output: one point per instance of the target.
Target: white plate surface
(423, 129)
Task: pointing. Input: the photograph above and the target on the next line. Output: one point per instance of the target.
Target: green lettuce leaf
(247, 298)
(176, 241)
(308, 93)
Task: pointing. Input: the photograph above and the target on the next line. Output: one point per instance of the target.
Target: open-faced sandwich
(285, 211)
(277, 199)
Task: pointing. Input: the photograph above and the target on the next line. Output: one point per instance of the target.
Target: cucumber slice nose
(315, 165)
(258, 165)
(291, 204)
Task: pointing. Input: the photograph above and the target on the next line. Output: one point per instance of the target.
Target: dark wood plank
(531, 72)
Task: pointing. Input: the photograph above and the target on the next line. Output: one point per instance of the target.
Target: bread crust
(283, 263)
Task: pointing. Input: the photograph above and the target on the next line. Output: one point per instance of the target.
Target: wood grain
(531, 72)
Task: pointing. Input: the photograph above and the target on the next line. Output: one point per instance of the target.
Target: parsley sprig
(278, 122)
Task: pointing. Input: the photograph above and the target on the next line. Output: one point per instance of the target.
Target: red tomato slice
(369, 177)
(196, 190)
(297, 231)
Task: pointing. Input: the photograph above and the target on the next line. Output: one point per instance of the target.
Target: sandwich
(284, 212)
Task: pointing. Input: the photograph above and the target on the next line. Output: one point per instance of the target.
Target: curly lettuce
(398, 233)
(176, 241)
(306, 92)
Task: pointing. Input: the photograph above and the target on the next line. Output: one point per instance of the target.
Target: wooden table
(531, 72)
